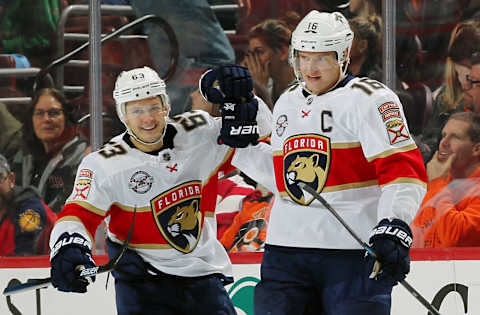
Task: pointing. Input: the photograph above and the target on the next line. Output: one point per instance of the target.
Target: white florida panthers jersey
(171, 231)
(353, 146)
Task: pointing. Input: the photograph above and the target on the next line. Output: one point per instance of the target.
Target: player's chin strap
(130, 133)
(366, 247)
(34, 284)
(341, 76)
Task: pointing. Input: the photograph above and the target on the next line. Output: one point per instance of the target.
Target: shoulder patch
(394, 122)
(83, 184)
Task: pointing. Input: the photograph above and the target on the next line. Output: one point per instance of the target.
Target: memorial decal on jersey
(306, 159)
(394, 123)
(83, 184)
(178, 216)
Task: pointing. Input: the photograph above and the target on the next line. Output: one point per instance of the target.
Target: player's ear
(11, 179)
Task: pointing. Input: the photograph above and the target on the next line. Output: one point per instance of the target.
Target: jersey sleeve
(88, 203)
(257, 163)
(264, 119)
(387, 144)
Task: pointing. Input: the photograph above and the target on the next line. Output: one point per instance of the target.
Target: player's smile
(146, 119)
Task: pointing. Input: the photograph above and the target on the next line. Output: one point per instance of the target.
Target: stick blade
(31, 284)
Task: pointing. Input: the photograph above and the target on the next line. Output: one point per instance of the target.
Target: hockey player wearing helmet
(320, 51)
(174, 264)
(142, 105)
(346, 138)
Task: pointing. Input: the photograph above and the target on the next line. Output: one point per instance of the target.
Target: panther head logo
(184, 223)
(308, 170)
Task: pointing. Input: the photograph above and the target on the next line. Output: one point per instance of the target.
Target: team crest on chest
(178, 216)
(306, 159)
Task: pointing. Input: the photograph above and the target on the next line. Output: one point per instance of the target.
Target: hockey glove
(227, 83)
(70, 255)
(391, 240)
(231, 86)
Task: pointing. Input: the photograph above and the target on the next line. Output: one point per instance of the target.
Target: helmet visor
(308, 62)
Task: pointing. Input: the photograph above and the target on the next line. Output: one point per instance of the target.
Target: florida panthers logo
(178, 216)
(306, 160)
(185, 221)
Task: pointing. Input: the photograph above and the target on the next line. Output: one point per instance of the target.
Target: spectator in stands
(365, 61)
(25, 220)
(365, 58)
(457, 93)
(10, 133)
(267, 57)
(231, 191)
(247, 232)
(449, 215)
(28, 27)
(202, 44)
(52, 150)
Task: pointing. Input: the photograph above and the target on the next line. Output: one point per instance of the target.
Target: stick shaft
(33, 284)
(365, 246)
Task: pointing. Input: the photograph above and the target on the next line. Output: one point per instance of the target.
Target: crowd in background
(437, 75)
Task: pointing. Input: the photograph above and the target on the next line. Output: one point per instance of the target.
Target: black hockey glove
(70, 255)
(231, 86)
(391, 240)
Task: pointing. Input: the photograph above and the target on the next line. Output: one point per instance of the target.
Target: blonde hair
(461, 45)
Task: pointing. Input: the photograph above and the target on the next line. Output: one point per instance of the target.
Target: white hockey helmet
(138, 84)
(322, 32)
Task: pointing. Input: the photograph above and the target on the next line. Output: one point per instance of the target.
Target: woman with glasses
(51, 148)
(450, 97)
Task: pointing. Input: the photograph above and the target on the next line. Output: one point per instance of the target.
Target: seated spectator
(25, 220)
(248, 231)
(449, 215)
(10, 133)
(365, 58)
(51, 150)
(267, 57)
(457, 92)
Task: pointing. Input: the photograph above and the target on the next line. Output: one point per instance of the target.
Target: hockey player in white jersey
(346, 138)
(174, 263)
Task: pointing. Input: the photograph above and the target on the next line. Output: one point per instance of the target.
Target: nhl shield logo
(306, 160)
(178, 216)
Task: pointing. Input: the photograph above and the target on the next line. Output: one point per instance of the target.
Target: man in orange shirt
(449, 215)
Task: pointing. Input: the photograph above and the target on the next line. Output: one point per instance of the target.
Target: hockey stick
(367, 248)
(33, 284)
